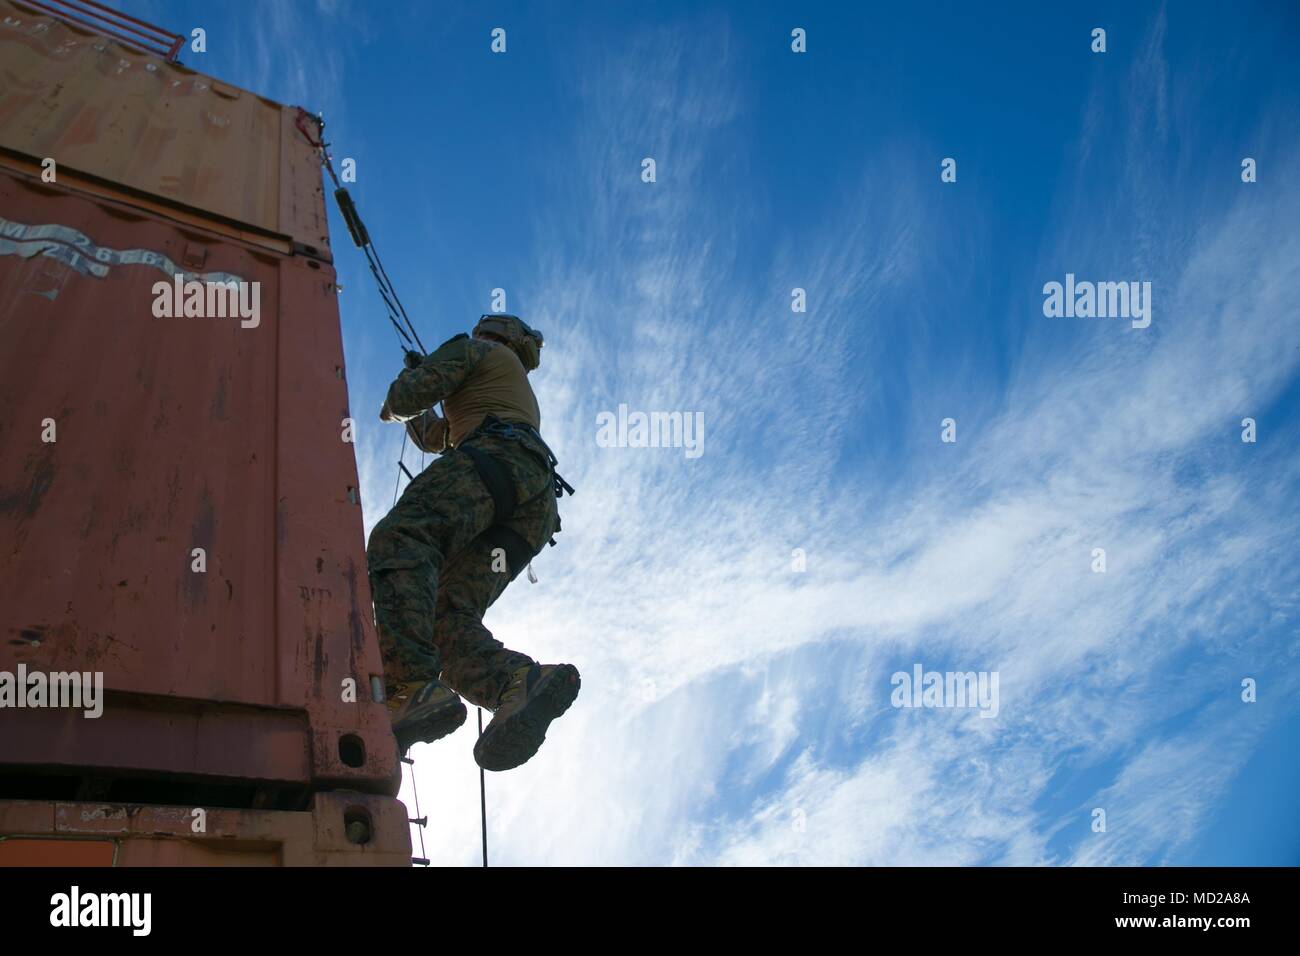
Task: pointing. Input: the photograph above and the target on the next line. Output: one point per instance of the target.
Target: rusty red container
(337, 829)
(178, 495)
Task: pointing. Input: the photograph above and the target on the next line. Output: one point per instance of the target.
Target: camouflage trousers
(434, 572)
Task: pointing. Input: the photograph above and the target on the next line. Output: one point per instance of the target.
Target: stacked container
(178, 493)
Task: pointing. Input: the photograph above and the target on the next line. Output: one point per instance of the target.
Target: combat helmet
(524, 341)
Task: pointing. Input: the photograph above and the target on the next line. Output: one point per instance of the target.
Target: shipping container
(179, 509)
(174, 141)
(338, 829)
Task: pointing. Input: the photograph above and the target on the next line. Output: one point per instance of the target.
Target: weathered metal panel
(339, 829)
(104, 111)
(214, 741)
(176, 434)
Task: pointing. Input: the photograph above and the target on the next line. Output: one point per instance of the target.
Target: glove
(429, 432)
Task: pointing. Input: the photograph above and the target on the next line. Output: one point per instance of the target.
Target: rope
(416, 791)
(361, 237)
(482, 793)
(384, 272)
(400, 458)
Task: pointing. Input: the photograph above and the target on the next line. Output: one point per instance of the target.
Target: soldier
(462, 531)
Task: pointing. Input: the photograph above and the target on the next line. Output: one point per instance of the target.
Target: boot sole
(509, 743)
(426, 730)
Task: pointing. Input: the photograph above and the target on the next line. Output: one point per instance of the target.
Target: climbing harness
(496, 478)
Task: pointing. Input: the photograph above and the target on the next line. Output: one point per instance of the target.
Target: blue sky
(736, 711)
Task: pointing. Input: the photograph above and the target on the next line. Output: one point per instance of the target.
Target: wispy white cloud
(734, 711)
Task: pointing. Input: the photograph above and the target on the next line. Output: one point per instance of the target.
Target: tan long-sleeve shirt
(473, 378)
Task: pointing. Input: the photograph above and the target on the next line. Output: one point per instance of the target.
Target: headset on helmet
(524, 341)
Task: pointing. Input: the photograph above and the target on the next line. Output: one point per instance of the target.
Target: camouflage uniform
(436, 563)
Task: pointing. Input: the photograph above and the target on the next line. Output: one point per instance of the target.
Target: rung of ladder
(419, 861)
(422, 821)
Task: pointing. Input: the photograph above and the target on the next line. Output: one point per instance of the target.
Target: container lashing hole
(352, 750)
(357, 826)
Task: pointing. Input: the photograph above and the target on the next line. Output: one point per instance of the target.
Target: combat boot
(423, 711)
(535, 696)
